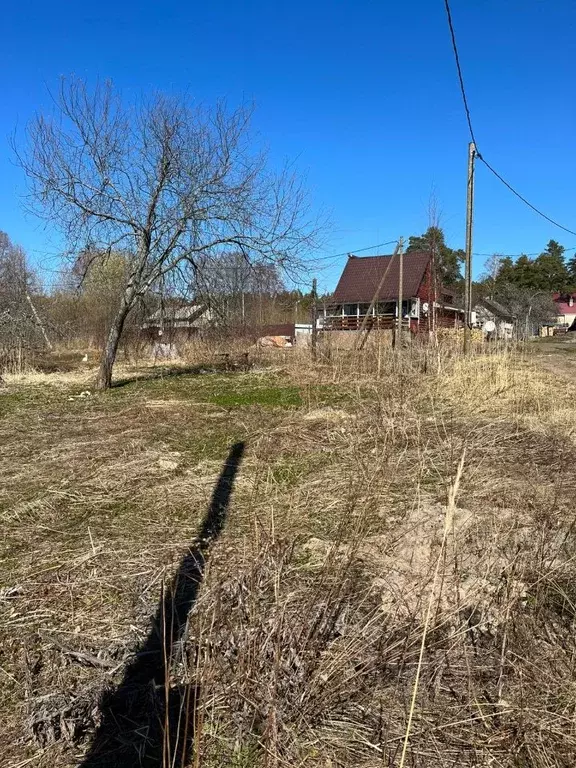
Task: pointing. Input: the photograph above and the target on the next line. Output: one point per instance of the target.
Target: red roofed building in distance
(424, 306)
(565, 309)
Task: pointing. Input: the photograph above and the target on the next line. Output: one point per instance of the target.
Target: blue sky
(362, 94)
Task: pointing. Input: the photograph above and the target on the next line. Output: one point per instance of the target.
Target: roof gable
(361, 276)
(182, 314)
(495, 308)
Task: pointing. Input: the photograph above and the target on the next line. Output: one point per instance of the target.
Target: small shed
(173, 324)
(493, 318)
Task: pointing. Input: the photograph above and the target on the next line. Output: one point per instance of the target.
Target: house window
(364, 308)
(350, 309)
(406, 306)
(386, 308)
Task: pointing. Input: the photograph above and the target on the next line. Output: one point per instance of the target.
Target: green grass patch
(290, 471)
(267, 396)
(197, 445)
(226, 390)
(29, 397)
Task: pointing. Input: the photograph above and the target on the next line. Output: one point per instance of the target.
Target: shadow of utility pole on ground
(146, 721)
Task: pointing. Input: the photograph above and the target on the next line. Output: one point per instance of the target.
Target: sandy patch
(330, 415)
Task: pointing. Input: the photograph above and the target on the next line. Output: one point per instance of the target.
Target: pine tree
(549, 269)
(448, 260)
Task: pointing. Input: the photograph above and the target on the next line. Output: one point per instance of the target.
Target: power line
(473, 137)
(460, 76)
(380, 245)
(516, 255)
(521, 197)
(43, 268)
(354, 250)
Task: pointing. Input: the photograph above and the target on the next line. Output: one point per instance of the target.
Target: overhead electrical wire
(473, 136)
(516, 255)
(330, 259)
(459, 69)
(43, 268)
(521, 197)
(355, 250)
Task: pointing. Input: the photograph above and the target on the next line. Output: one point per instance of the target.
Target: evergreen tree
(524, 273)
(571, 267)
(549, 269)
(548, 272)
(448, 260)
(505, 273)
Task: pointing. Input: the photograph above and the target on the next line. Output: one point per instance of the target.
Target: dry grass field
(385, 576)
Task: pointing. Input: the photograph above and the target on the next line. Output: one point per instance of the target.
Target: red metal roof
(361, 276)
(562, 303)
(565, 309)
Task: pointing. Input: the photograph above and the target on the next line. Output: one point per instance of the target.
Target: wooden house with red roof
(565, 310)
(424, 306)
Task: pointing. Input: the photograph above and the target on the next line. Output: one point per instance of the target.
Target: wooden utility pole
(314, 318)
(359, 343)
(468, 268)
(400, 286)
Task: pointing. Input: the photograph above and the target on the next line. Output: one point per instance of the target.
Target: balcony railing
(386, 322)
(354, 322)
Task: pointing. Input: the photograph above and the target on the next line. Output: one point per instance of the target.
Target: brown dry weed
(336, 596)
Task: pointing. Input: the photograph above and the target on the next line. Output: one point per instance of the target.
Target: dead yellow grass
(32, 378)
(340, 593)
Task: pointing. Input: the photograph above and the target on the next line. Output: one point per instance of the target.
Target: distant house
(565, 309)
(494, 319)
(172, 324)
(423, 306)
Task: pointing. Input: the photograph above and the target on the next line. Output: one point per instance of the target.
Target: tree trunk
(104, 380)
(39, 322)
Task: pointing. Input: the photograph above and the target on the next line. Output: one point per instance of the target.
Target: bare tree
(434, 227)
(15, 277)
(530, 308)
(20, 322)
(165, 181)
(491, 268)
(224, 281)
(85, 299)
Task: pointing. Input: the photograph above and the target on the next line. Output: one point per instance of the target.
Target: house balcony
(384, 316)
(354, 322)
